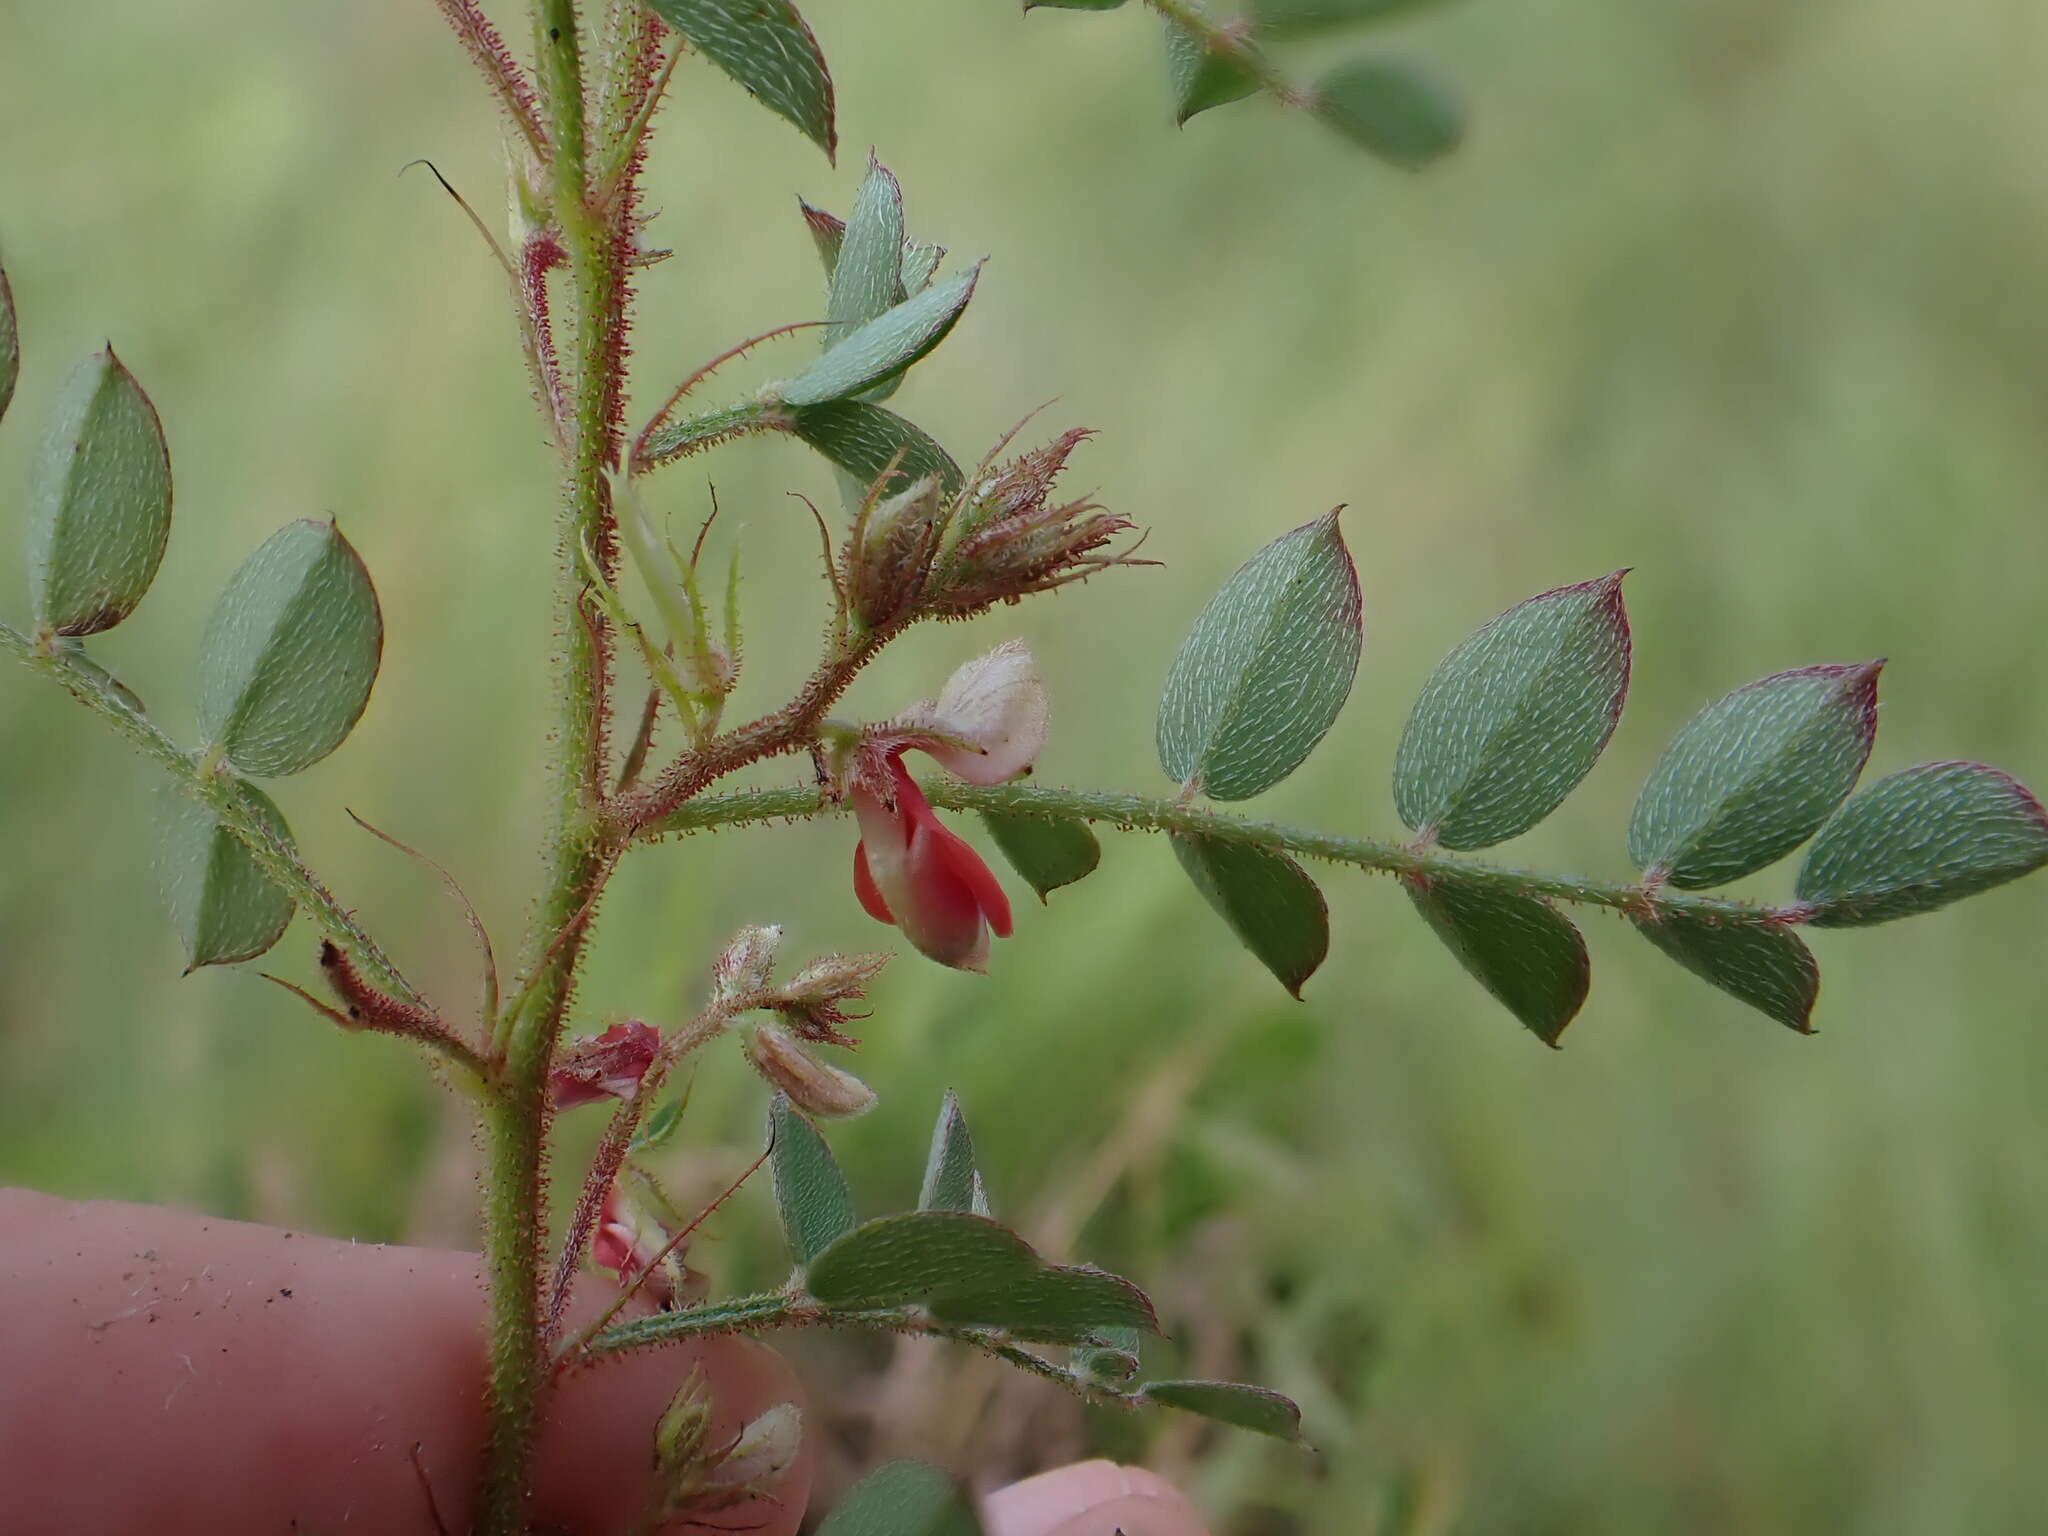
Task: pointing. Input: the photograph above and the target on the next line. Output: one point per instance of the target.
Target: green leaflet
(895, 1260)
(99, 499)
(1252, 1408)
(1515, 716)
(1522, 950)
(1752, 776)
(920, 261)
(949, 1175)
(883, 348)
(1054, 1305)
(867, 271)
(1307, 18)
(1919, 839)
(290, 654)
(810, 1192)
(1392, 110)
(767, 47)
(828, 234)
(1048, 851)
(10, 344)
(1268, 900)
(1763, 963)
(659, 1127)
(904, 1498)
(1267, 666)
(1072, 5)
(223, 905)
(1200, 77)
(865, 440)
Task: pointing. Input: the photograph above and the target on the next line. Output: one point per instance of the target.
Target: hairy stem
(790, 729)
(515, 1129)
(91, 686)
(1151, 813)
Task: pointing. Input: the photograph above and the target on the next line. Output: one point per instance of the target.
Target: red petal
(968, 868)
(865, 888)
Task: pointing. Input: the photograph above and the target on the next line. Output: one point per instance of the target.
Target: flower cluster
(919, 553)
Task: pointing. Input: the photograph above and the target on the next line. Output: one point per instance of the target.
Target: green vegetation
(1742, 296)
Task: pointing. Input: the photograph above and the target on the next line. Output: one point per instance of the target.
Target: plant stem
(88, 683)
(1150, 813)
(515, 1118)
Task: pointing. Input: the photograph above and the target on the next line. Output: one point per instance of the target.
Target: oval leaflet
(291, 652)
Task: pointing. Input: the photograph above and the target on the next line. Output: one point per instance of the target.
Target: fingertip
(1092, 1498)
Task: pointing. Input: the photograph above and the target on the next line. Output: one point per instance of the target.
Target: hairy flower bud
(814, 999)
(746, 963)
(812, 1086)
(679, 1433)
(1007, 538)
(606, 1066)
(989, 722)
(887, 559)
(765, 1449)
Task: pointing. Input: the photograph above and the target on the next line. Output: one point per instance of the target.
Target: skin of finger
(1092, 1498)
(163, 1373)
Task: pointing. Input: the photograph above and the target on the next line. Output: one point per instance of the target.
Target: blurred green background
(1744, 295)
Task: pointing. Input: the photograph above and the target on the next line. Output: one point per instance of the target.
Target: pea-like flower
(986, 726)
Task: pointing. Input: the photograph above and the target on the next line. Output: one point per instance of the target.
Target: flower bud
(813, 1000)
(764, 1451)
(606, 1066)
(888, 555)
(812, 1086)
(679, 1433)
(746, 964)
(989, 722)
(1007, 540)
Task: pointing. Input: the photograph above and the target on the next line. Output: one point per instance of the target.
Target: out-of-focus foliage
(1745, 296)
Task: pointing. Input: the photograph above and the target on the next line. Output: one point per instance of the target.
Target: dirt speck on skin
(285, 1291)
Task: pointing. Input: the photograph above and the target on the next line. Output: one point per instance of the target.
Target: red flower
(606, 1066)
(987, 725)
(911, 871)
(627, 1243)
